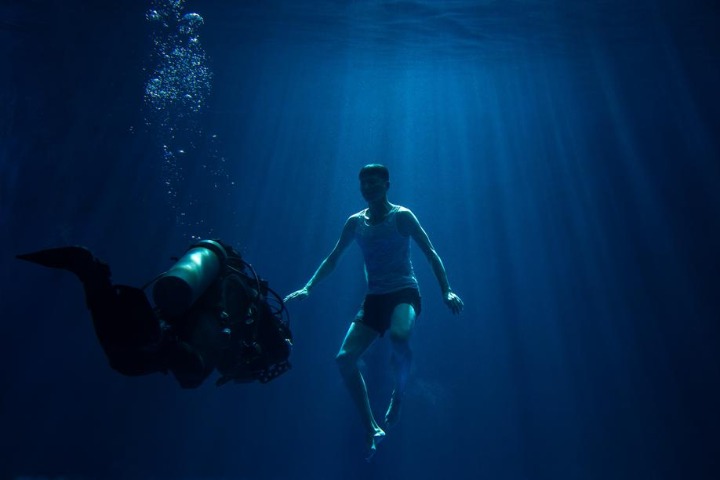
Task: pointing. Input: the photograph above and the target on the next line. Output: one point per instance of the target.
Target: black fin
(75, 259)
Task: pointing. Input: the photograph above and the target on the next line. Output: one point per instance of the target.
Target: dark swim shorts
(376, 310)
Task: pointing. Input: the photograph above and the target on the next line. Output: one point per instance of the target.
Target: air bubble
(152, 16)
(177, 89)
(190, 22)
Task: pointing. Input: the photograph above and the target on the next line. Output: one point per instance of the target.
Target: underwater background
(563, 157)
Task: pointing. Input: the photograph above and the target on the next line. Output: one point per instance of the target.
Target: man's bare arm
(411, 225)
(328, 264)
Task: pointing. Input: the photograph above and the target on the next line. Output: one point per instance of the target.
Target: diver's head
(374, 182)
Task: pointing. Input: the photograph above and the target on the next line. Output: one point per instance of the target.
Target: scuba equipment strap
(260, 337)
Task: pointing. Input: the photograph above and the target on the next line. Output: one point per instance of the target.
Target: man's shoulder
(353, 219)
(357, 215)
(401, 209)
(404, 212)
(405, 220)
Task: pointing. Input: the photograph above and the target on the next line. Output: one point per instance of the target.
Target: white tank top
(387, 253)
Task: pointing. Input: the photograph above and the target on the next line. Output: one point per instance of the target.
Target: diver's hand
(454, 303)
(298, 295)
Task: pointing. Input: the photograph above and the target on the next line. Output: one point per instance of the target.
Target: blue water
(562, 156)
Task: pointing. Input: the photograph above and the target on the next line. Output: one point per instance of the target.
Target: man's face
(373, 187)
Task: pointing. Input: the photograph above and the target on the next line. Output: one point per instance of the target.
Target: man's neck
(378, 210)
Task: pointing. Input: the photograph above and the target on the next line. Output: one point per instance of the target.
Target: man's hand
(454, 303)
(298, 295)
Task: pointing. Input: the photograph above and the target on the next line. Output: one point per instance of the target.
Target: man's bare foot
(393, 412)
(373, 440)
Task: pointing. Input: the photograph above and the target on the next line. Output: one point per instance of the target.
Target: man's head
(374, 182)
(375, 169)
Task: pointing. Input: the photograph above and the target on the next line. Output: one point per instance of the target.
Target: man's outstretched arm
(328, 264)
(411, 225)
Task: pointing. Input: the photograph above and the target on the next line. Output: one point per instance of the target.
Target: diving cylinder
(178, 288)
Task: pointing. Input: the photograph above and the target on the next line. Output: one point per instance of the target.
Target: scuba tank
(178, 288)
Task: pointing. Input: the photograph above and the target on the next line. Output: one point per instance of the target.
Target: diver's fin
(75, 259)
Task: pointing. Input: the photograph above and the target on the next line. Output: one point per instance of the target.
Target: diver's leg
(122, 318)
(132, 337)
(401, 325)
(100, 296)
(359, 337)
(93, 273)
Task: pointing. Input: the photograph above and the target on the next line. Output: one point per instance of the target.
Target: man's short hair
(375, 169)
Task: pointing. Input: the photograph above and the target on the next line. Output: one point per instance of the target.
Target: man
(212, 313)
(383, 231)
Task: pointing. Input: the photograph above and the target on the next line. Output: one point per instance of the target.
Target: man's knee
(402, 323)
(400, 335)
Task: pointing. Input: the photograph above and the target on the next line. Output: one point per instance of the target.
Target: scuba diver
(212, 312)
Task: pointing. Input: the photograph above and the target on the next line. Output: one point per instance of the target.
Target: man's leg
(359, 337)
(401, 325)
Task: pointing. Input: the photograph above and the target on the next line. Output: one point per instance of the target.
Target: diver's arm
(328, 264)
(411, 225)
